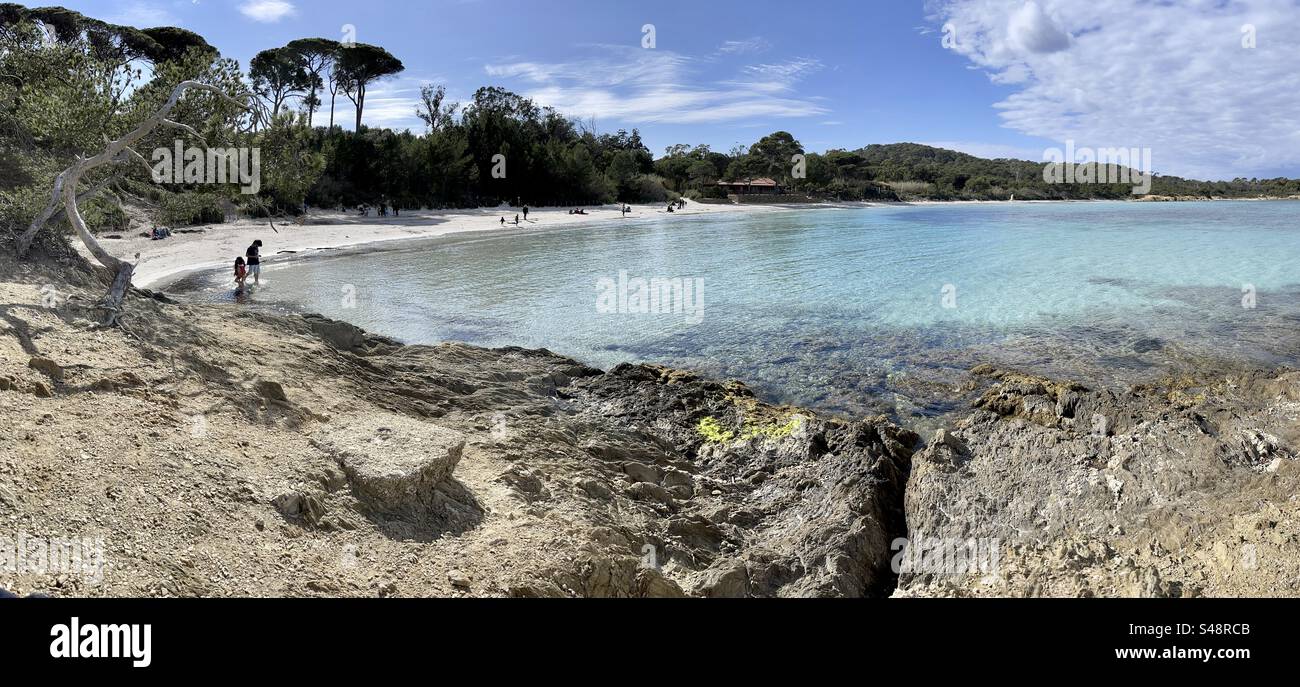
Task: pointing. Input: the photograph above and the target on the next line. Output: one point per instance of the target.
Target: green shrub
(104, 215)
(186, 209)
(712, 431)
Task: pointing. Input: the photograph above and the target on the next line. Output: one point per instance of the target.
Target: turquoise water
(850, 310)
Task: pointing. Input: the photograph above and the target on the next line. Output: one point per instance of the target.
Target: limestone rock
(459, 579)
(645, 491)
(393, 462)
(300, 505)
(340, 335)
(271, 391)
(47, 367)
(726, 580)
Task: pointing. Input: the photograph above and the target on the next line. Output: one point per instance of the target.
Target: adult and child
(250, 266)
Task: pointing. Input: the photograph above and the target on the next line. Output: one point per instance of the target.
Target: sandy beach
(159, 263)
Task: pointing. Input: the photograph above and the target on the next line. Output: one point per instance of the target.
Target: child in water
(241, 273)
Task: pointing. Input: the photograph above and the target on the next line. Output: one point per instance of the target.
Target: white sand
(159, 263)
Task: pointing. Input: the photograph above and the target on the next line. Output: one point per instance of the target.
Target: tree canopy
(361, 65)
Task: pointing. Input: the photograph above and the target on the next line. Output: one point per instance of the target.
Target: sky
(1211, 87)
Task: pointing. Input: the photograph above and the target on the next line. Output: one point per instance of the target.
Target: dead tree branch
(64, 194)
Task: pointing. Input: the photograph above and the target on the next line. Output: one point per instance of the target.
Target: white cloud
(1172, 76)
(389, 104)
(267, 11)
(644, 86)
(1033, 31)
(142, 15)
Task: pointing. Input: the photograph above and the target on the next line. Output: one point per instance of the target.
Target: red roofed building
(764, 186)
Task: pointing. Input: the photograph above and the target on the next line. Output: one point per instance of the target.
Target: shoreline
(915, 391)
(160, 264)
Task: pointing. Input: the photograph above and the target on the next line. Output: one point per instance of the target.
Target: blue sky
(1014, 78)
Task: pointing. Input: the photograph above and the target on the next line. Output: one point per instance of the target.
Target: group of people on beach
(251, 263)
(250, 266)
(503, 219)
(674, 206)
(383, 209)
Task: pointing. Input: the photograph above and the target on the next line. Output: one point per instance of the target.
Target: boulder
(640, 472)
(726, 580)
(340, 335)
(393, 462)
(47, 367)
(271, 391)
(298, 505)
(645, 491)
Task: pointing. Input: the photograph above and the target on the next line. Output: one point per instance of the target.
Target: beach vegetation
(713, 432)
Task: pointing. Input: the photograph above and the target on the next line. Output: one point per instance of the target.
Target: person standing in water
(254, 255)
(525, 213)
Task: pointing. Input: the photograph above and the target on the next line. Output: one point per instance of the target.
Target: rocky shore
(220, 452)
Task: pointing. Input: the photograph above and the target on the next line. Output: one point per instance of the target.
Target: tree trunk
(361, 106)
(65, 194)
(311, 107)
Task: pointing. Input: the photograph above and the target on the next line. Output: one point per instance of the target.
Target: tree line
(68, 80)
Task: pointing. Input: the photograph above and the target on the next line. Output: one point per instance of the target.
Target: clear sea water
(854, 311)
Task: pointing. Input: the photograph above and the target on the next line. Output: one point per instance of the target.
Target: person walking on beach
(254, 255)
(525, 213)
(516, 220)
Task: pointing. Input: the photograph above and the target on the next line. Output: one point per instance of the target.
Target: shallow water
(853, 310)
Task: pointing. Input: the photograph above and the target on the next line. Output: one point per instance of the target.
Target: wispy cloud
(1177, 77)
(757, 44)
(267, 11)
(785, 72)
(646, 86)
(392, 103)
(142, 14)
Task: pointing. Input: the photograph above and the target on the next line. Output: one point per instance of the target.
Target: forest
(67, 81)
